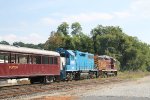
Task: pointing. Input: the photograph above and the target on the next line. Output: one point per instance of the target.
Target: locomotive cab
(67, 59)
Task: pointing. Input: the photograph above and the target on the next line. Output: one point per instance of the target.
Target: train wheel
(41, 79)
(97, 74)
(32, 80)
(57, 78)
(77, 76)
(48, 79)
(115, 73)
(103, 74)
(69, 77)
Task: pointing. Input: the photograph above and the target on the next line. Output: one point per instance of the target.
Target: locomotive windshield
(62, 54)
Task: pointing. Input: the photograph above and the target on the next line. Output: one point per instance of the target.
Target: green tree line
(131, 53)
(21, 44)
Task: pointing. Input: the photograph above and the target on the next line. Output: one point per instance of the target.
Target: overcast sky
(31, 21)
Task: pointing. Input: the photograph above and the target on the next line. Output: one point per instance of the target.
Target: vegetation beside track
(132, 75)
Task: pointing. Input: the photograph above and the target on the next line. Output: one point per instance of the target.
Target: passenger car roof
(25, 50)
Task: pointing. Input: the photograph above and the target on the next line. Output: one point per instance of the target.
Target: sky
(31, 21)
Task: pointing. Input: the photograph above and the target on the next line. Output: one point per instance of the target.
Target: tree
(131, 53)
(40, 46)
(63, 28)
(76, 28)
(96, 31)
(68, 42)
(55, 41)
(30, 45)
(4, 42)
(21, 44)
(108, 32)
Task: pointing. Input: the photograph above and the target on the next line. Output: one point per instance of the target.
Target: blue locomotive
(76, 64)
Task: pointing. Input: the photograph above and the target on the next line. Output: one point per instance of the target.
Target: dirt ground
(56, 98)
(130, 90)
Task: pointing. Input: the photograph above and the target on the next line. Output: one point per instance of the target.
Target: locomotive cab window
(72, 57)
(75, 53)
(62, 55)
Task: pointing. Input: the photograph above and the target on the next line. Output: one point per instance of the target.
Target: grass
(132, 75)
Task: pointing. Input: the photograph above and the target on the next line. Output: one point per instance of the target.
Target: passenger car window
(55, 61)
(51, 60)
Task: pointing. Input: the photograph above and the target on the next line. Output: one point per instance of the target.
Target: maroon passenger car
(37, 65)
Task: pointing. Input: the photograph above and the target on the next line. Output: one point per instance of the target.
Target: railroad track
(9, 92)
